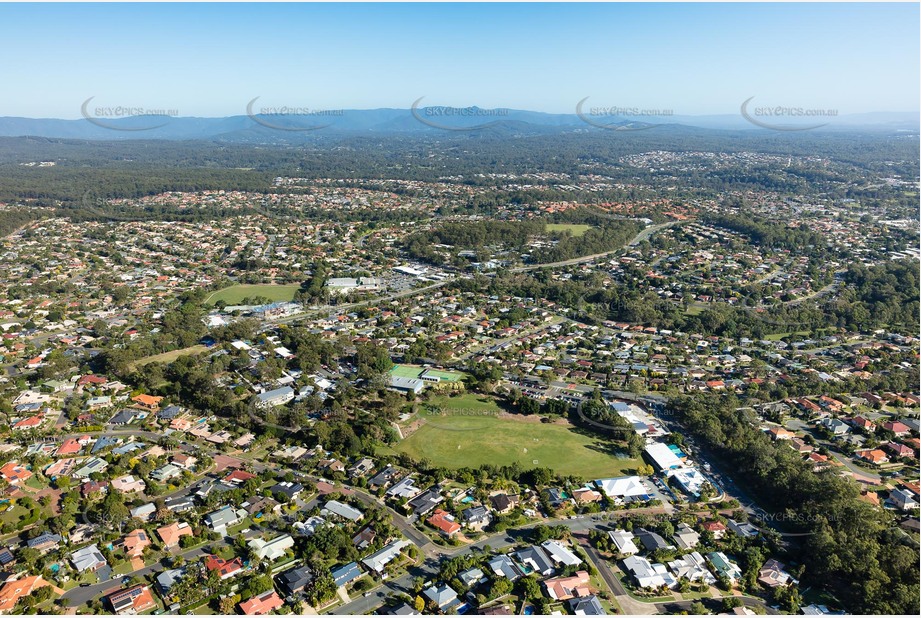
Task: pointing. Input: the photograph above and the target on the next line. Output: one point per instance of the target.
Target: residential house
(536, 559)
(560, 554)
(346, 574)
(476, 517)
(44, 542)
(772, 574)
(565, 588)
(135, 542)
(623, 541)
(287, 489)
(648, 575)
(262, 604)
(378, 561)
(743, 529)
(224, 568)
(147, 402)
(274, 549)
(14, 473)
(724, 566)
(426, 501)
(131, 601)
(88, 558)
(128, 484)
(503, 566)
(405, 489)
(444, 522)
(144, 512)
(172, 533)
(443, 597)
(504, 503)
(223, 518)
(293, 581)
(903, 499)
(685, 537)
(15, 589)
(344, 511)
(651, 541)
(586, 606)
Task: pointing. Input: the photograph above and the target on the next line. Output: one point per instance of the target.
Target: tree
(698, 608)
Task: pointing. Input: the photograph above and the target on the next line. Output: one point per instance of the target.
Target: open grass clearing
(235, 294)
(467, 431)
(576, 229)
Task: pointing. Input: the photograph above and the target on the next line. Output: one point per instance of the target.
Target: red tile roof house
(899, 450)
(874, 456)
(13, 591)
(14, 473)
(171, 534)
(716, 527)
(565, 588)
(135, 542)
(261, 604)
(71, 446)
(30, 423)
(148, 402)
(897, 427)
(444, 522)
(865, 423)
(225, 568)
(238, 477)
(91, 380)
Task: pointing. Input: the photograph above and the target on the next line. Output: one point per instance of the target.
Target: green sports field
(576, 229)
(470, 434)
(413, 371)
(235, 294)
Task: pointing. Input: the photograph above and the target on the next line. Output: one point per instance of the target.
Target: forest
(848, 546)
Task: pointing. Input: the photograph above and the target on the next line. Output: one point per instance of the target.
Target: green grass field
(470, 434)
(413, 371)
(168, 357)
(236, 293)
(576, 229)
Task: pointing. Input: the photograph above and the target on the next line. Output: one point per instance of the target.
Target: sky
(212, 59)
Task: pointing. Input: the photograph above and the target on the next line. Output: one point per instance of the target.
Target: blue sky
(211, 59)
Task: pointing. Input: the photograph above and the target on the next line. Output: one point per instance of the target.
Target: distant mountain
(432, 120)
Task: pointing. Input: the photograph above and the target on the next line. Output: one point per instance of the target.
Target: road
(83, 594)
(643, 235)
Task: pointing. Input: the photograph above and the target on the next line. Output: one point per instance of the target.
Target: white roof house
(560, 554)
(343, 510)
(623, 540)
(88, 558)
(274, 549)
(624, 487)
(378, 560)
(663, 458)
(693, 567)
(649, 575)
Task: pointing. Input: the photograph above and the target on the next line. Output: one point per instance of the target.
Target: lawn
(236, 293)
(576, 229)
(779, 336)
(413, 371)
(469, 434)
(168, 357)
